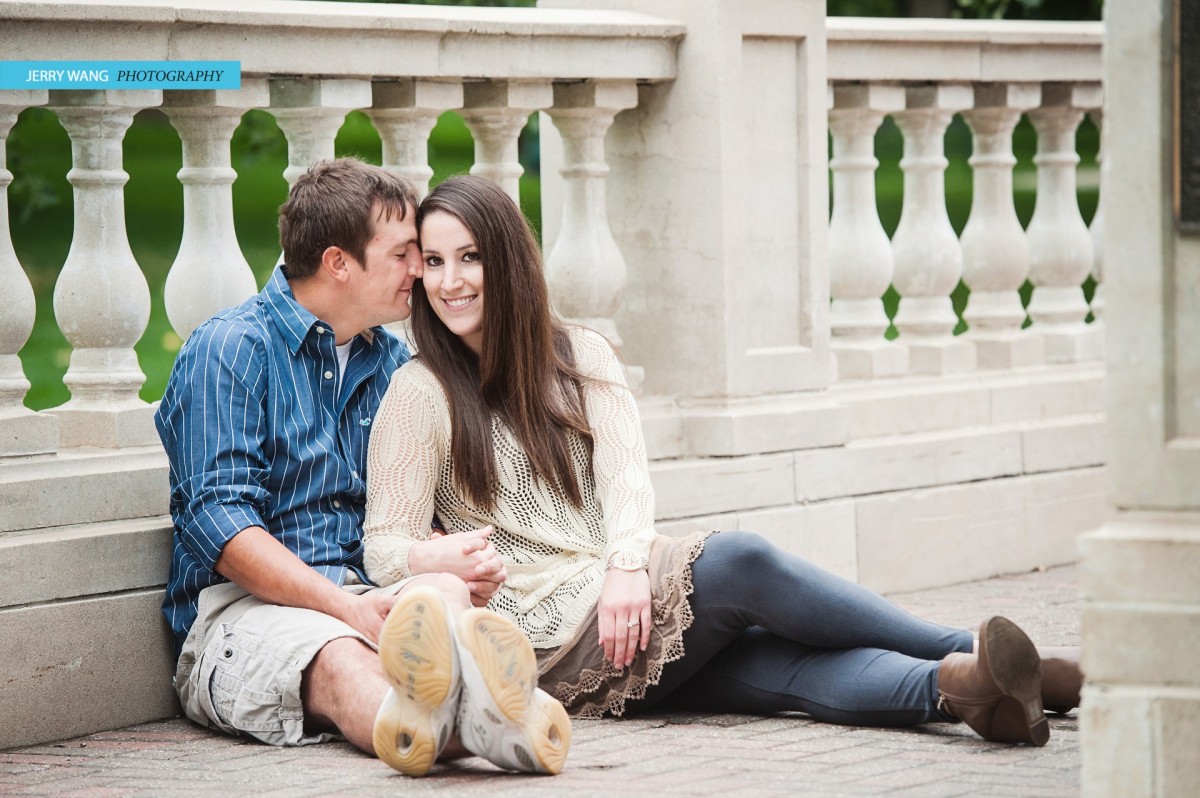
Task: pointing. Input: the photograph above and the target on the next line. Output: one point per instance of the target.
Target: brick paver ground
(677, 754)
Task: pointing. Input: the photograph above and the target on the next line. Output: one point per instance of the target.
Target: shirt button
(354, 474)
(329, 375)
(337, 504)
(320, 330)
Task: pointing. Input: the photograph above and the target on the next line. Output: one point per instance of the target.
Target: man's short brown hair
(335, 204)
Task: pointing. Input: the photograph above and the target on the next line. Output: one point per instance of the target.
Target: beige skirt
(577, 674)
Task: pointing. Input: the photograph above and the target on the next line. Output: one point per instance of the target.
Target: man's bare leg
(344, 686)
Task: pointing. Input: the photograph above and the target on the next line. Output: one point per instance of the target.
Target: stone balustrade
(685, 214)
(922, 72)
(451, 59)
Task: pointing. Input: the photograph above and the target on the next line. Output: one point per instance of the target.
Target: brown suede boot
(1062, 680)
(997, 692)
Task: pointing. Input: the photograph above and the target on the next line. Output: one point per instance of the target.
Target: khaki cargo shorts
(243, 660)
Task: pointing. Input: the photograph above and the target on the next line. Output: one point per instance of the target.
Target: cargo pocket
(235, 687)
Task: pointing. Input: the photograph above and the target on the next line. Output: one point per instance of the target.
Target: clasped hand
(468, 555)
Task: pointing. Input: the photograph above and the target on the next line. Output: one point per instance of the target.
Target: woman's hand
(468, 555)
(624, 615)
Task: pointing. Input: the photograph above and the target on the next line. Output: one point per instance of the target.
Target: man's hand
(366, 613)
(624, 615)
(468, 555)
(264, 567)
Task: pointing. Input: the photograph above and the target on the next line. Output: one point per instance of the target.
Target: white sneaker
(417, 651)
(503, 716)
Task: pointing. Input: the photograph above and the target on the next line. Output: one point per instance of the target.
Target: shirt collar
(293, 319)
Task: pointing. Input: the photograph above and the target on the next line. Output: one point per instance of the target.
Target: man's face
(381, 288)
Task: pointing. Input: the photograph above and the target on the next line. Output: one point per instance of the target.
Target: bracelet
(627, 562)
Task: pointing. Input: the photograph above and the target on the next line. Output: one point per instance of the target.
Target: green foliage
(864, 8)
(973, 9)
(1029, 9)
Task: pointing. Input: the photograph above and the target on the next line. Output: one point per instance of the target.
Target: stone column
(585, 269)
(1059, 243)
(496, 112)
(1141, 570)
(927, 252)
(21, 430)
(310, 111)
(860, 254)
(1097, 226)
(995, 251)
(718, 198)
(101, 299)
(405, 112)
(210, 272)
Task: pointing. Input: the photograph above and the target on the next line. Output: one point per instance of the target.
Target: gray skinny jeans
(773, 632)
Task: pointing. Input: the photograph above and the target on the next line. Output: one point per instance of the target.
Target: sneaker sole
(508, 668)
(416, 649)
(1015, 666)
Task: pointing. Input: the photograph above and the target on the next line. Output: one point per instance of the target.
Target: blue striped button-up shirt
(258, 434)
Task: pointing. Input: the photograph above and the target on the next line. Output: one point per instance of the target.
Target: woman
(510, 419)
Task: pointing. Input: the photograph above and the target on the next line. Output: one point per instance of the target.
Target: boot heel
(997, 692)
(1017, 722)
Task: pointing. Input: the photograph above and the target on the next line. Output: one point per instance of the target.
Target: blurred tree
(969, 9)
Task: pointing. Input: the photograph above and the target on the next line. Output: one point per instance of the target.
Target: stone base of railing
(1008, 350)
(82, 486)
(939, 355)
(920, 482)
(87, 647)
(25, 432)
(733, 427)
(1078, 344)
(869, 359)
(125, 427)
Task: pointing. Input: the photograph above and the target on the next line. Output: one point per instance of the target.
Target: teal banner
(120, 74)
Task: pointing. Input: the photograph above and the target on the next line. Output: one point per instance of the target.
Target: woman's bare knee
(450, 586)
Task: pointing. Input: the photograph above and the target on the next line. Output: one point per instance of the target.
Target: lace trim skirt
(577, 674)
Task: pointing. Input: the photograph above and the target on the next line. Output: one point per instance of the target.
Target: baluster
(927, 252)
(101, 299)
(1060, 245)
(405, 112)
(22, 431)
(210, 272)
(995, 252)
(310, 111)
(586, 270)
(860, 255)
(495, 113)
(1097, 226)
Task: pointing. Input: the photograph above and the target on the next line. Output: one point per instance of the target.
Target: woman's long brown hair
(525, 372)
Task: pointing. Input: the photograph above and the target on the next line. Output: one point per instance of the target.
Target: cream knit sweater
(556, 554)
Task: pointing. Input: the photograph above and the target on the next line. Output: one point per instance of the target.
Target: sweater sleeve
(619, 465)
(404, 459)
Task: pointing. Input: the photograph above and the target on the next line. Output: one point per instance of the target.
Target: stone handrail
(309, 64)
(922, 72)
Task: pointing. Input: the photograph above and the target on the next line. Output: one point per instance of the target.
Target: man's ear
(336, 264)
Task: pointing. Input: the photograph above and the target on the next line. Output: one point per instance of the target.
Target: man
(265, 421)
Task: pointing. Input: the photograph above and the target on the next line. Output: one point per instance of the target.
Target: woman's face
(453, 276)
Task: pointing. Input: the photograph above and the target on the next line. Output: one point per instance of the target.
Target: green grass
(39, 155)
